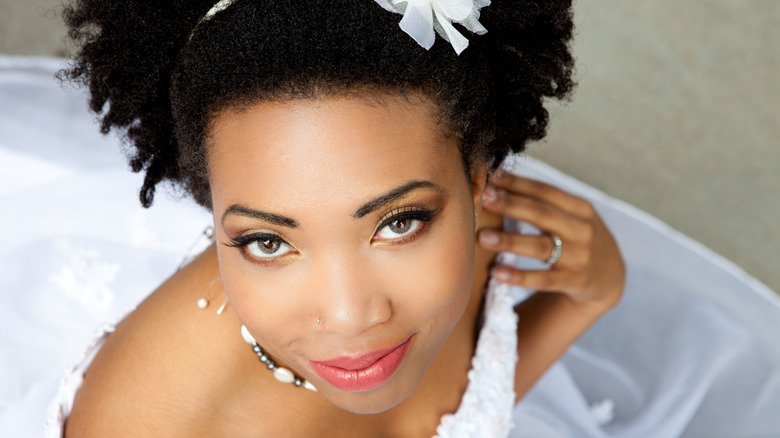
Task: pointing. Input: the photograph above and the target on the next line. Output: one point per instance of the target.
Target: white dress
(691, 351)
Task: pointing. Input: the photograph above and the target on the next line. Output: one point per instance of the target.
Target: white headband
(219, 7)
(420, 19)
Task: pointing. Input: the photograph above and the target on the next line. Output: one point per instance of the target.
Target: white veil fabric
(691, 351)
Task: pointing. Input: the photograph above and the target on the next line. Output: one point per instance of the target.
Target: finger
(543, 192)
(534, 246)
(544, 216)
(538, 247)
(536, 280)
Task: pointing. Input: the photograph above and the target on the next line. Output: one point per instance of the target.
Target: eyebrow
(393, 195)
(256, 214)
(367, 208)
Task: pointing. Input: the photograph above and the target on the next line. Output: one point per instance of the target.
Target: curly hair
(160, 77)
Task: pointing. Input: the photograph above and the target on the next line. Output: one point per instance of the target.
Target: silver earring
(476, 221)
(204, 302)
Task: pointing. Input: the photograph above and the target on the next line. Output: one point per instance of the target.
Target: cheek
(261, 300)
(436, 283)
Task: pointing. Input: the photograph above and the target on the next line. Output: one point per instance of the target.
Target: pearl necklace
(281, 374)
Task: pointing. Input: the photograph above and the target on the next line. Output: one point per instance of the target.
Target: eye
(265, 246)
(268, 248)
(398, 228)
(403, 226)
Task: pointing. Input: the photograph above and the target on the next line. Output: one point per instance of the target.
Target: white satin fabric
(691, 351)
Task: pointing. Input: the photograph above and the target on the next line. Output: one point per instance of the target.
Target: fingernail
(489, 196)
(500, 274)
(489, 238)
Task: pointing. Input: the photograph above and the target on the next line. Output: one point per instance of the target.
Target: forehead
(303, 151)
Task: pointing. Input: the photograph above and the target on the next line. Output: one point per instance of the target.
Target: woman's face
(346, 239)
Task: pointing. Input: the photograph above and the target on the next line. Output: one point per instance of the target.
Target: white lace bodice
(487, 404)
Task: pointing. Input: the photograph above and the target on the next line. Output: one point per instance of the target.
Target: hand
(590, 269)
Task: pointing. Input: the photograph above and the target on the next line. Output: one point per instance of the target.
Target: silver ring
(556, 251)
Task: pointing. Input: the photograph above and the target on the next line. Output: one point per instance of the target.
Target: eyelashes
(403, 224)
(399, 226)
(261, 245)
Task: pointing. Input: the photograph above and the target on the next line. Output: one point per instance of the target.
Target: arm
(548, 323)
(576, 291)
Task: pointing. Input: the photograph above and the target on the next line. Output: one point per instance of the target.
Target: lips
(362, 373)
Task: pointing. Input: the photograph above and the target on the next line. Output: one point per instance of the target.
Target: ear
(479, 177)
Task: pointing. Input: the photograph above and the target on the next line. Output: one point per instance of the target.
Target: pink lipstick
(362, 373)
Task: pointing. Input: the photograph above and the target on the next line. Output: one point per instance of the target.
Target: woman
(346, 162)
(346, 169)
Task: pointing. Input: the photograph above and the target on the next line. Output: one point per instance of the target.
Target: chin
(369, 402)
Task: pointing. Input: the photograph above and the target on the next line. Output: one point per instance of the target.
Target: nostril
(351, 314)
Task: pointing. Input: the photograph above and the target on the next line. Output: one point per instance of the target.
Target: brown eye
(398, 228)
(268, 248)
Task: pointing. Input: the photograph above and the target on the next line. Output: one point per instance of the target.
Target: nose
(350, 298)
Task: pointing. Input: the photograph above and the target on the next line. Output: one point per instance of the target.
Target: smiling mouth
(362, 373)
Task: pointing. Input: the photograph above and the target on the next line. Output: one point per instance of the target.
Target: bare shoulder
(140, 383)
(171, 369)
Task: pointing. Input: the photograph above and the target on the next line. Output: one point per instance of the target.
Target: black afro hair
(159, 74)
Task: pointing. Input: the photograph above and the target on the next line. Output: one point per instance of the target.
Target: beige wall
(678, 113)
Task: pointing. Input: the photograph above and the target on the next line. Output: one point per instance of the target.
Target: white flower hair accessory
(421, 17)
